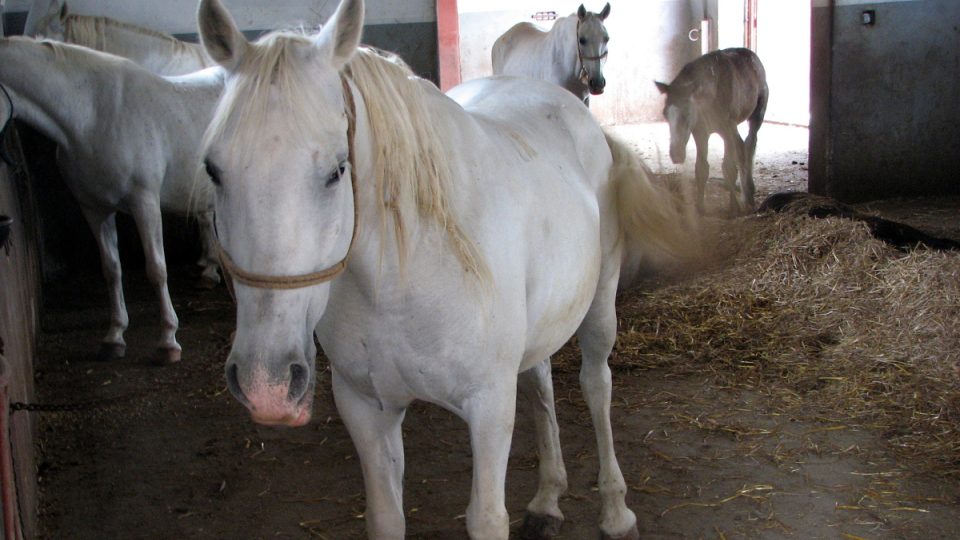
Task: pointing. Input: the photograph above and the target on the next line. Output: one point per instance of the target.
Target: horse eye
(212, 171)
(337, 174)
(583, 41)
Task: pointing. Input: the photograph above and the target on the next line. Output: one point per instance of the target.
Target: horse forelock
(410, 161)
(269, 84)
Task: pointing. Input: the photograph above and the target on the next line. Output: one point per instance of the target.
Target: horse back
(731, 82)
(520, 40)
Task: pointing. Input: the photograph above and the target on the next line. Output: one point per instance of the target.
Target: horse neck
(52, 96)
(153, 51)
(378, 256)
(563, 38)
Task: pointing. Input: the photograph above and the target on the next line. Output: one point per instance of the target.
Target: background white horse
(158, 52)
(571, 54)
(127, 140)
(359, 203)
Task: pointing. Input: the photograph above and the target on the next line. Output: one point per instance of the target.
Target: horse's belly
(561, 285)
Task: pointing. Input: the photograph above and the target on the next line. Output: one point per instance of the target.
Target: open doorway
(779, 32)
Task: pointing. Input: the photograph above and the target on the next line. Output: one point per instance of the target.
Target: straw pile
(824, 319)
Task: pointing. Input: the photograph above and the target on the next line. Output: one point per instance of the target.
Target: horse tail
(658, 228)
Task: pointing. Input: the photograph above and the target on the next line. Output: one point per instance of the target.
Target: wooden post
(448, 43)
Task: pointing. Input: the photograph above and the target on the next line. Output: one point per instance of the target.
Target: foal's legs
(702, 168)
(104, 227)
(733, 153)
(376, 434)
(597, 334)
(544, 517)
(146, 214)
(746, 174)
(747, 188)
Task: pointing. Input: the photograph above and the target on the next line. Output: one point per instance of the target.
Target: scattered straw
(821, 316)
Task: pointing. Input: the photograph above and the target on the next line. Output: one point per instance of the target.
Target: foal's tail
(660, 230)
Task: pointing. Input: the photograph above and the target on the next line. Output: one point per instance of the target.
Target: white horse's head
(592, 41)
(681, 113)
(278, 154)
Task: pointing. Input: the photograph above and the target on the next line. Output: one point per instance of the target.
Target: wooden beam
(448, 43)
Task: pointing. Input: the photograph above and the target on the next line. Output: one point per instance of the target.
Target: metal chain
(67, 407)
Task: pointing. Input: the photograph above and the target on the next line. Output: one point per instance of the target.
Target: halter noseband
(263, 281)
(581, 57)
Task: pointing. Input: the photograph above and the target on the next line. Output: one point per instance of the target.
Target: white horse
(127, 140)
(156, 51)
(571, 54)
(439, 249)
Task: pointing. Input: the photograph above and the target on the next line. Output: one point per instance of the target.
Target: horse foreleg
(208, 257)
(490, 414)
(702, 167)
(733, 152)
(104, 227)
(378, 439)
(544, 518)
(146, 214)
(597, 334)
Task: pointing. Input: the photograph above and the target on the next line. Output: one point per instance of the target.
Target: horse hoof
(632, 534)
(540, 527)
(111, 351)
(167, 356)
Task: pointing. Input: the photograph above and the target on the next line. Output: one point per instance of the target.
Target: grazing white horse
(571, 54)
(156, 51)
(127, 140)
(440, 248)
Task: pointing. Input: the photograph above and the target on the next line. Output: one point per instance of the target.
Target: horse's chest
(395, 361)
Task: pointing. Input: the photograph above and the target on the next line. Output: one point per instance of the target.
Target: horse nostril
(298, 382)
(233, 383)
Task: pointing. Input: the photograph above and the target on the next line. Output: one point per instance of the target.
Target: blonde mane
(90, 31)
(410, 164)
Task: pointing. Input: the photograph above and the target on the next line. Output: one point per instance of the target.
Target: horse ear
(605, 13)
(342, 32)
(581, 12)
(63, 13)
(220, 35)
(663, 87)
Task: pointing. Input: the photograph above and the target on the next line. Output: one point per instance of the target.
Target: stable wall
(407, 28)
(885, 99)
(19, 317)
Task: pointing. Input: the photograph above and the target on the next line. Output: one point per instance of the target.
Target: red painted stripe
(448, 43)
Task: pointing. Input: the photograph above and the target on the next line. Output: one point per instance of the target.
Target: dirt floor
(175, 456)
